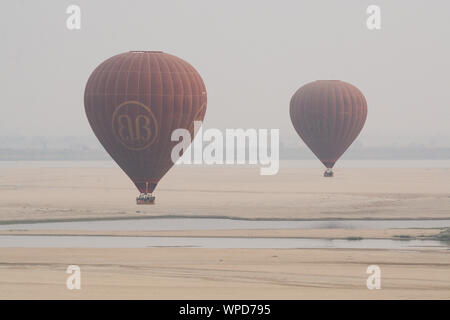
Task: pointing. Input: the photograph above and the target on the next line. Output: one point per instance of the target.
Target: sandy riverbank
(243, 233)
(85, 193)
(182, 273)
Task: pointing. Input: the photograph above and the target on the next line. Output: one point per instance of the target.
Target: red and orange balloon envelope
(134, 101)
(328, 115)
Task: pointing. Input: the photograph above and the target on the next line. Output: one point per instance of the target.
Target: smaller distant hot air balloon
(328, 115)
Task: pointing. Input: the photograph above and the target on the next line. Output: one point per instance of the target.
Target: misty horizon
(88, 148)
(251, 70)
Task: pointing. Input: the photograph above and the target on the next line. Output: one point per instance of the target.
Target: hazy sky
(252, 55)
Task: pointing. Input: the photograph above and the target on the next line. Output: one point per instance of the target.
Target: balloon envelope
(134, 101)
(328, 115)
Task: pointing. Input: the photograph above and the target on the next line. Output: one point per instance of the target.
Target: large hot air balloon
(328, 115)
(134, 101)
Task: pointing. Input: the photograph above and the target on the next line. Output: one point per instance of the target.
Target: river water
(149, 224)
(195, 242)
(152, 224)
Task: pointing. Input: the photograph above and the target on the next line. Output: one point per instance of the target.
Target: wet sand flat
(184, 273)
(242, 233)
(42, 194)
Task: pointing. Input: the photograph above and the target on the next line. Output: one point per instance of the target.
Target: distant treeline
(51, 154)
(374, 153)
(357, 153)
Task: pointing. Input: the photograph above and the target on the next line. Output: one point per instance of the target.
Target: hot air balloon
(134, 101)
(328, 115)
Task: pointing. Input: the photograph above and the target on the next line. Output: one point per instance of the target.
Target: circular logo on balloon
(134, 125)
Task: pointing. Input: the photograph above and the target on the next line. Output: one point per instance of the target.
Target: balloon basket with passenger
(145, 198)
(328, 173)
